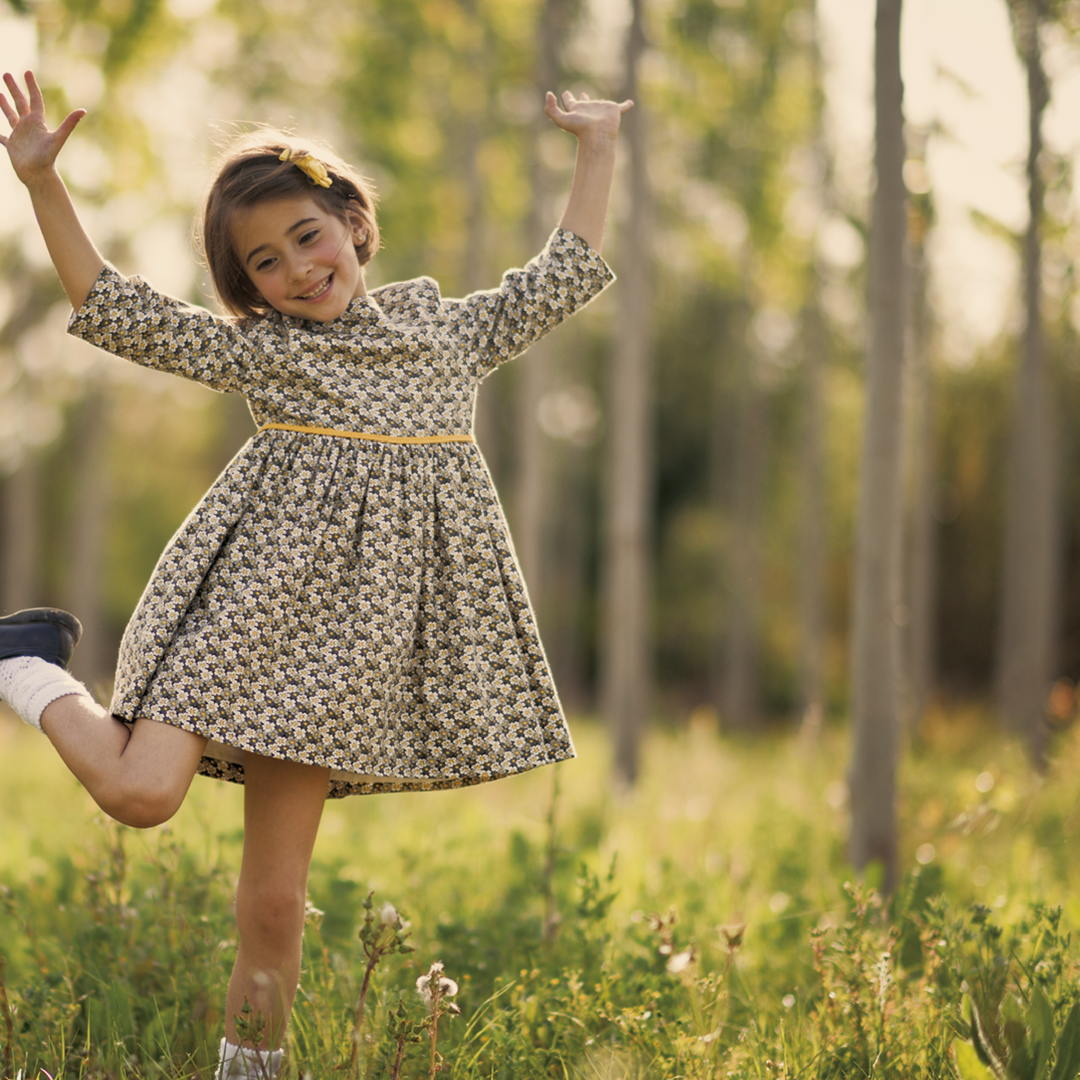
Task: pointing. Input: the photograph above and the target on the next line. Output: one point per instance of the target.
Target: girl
(342, 613)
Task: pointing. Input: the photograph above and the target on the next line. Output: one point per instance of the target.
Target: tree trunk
(626, 652)
(813, 509)
(740, 699)
(875, 645)
(812, 569)
(1032, 570)
(21, 522)
(94, 660)
(534, 372)
(921, 581)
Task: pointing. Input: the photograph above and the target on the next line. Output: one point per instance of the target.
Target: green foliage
(702, 930)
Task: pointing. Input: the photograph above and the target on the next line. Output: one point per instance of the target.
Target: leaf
(968, 1065)
(1067, 1056)
(1040, 1017)
(1013, 1025)
(980, 1041)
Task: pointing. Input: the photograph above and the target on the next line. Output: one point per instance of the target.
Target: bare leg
(283, 804)
(138, 776)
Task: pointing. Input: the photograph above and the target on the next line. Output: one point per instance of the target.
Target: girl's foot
(235, 1061)
(48, 633)
(35, 648)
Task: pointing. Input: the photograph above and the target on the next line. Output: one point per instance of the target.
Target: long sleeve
(494, 326)
(129, 318)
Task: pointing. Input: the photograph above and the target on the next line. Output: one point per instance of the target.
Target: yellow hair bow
(308, 164)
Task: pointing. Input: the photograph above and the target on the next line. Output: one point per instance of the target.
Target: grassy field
(705, 925)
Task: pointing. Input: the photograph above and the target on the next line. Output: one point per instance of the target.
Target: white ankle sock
(28, 684)
(239, 1061)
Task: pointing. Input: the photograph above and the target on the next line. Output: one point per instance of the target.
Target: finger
(551, 105)
(68, 126)
(9, 112)
(36, 100)
(17, 96)
(625, 106)
(568, 100)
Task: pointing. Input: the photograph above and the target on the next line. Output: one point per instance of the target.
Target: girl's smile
(301, 258)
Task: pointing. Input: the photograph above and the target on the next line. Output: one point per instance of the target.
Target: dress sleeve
(127, 317)
(499, 324)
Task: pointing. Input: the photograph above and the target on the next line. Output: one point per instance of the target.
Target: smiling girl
(342, 613)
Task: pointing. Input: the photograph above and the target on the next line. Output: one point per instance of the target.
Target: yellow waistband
(367, 434)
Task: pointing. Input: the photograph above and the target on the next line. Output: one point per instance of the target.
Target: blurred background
(693, 439)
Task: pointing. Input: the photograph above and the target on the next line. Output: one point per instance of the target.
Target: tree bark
(626, 565)
(812, 615)
(875, 645)
(21, 522)
(94, 660)
(1032, 569)
(533, 376)
(813, 509)
(921, 583)
(740, 697)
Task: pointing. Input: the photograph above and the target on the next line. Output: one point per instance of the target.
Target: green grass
(705, 925)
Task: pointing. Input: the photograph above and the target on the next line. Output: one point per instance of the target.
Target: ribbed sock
(28, 684)
(246, 1064)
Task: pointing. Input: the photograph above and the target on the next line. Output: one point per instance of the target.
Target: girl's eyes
(305, 238)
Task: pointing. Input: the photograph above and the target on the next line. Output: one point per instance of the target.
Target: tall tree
(533, 376)
(875, 638)
(813, 502)
(921, 563)
(1032, 571)
(740, 675)
(625, 662)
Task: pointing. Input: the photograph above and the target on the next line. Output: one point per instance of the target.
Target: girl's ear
(359, 228)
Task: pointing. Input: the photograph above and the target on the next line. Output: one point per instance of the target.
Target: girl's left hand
(584, 117)
(32, 147)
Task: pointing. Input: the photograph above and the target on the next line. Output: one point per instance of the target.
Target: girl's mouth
(320, 291)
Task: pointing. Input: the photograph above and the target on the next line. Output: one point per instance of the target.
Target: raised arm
(33, 150)
(596, 125)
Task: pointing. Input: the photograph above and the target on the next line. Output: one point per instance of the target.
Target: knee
(140, 807)
(270, 911)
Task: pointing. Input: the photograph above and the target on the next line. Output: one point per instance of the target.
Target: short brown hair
(250, 172)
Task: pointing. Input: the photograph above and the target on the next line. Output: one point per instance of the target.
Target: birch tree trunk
(812, 522)
(21, 525)
(813, 510)
(740, 698)
(1032, 571)
(625, 646)
(534, 370)
(875, 644)
(922, 567)
(94, 660)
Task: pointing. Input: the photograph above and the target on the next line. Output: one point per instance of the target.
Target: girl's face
(300, 258)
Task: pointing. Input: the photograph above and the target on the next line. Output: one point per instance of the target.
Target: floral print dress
(348, 603)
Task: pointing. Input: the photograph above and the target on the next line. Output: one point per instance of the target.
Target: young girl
(342, 613)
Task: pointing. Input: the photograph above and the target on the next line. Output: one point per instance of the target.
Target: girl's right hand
(31, 146)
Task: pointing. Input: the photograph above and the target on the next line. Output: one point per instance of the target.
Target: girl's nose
(297, 268)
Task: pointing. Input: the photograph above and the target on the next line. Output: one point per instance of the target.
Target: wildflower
(443, 986)
(680, 961)
(388, 916)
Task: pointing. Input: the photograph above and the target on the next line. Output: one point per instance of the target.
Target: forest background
(739, 230)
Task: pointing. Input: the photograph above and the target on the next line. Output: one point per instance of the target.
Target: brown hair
(250, 172)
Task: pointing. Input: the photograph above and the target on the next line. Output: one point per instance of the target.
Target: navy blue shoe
(46, 632)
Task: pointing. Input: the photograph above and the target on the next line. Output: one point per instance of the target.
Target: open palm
(583, 116)
(31, 146)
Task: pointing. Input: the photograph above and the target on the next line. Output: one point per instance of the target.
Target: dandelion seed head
(388, 916)
(680, 961)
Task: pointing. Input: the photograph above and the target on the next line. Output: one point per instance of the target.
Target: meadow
(704, 925)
